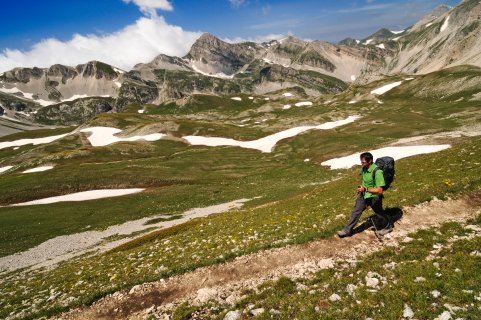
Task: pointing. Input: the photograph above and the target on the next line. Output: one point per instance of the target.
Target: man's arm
(377, 190)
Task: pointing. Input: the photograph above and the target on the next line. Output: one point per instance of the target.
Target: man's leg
(384, 225)
(359, 207)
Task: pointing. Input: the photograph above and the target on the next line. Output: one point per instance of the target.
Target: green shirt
(368, 182)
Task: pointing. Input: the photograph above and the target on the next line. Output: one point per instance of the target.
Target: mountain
(452, 38)
(446, 37)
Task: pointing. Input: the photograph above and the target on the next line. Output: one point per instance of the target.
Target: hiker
(369, 194)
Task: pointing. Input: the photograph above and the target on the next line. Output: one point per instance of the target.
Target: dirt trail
(224, 282)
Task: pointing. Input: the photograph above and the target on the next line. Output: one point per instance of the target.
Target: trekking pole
(379, 237)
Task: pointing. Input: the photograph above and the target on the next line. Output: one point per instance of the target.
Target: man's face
(365, 164)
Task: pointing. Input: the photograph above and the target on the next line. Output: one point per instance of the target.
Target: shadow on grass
(376, 223)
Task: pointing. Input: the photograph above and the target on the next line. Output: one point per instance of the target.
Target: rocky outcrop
(212, 55)
(97, 69)
(22, 75)
(74, 112)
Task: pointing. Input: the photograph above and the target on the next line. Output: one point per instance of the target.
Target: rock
(134, 288)
(350, 288)
(372, 282)
(149, 310)
(435, 293)
(325, 264)
(258, 311)
(232, 315)
(408, 312)
(205, 294)
(274, 312)
(231, 299)
(419, 279)
(334, 297)
(446, 315)
(407, 239)
(390, 265)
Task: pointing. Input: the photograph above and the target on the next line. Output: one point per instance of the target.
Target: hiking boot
(385, 231)
(343, 233)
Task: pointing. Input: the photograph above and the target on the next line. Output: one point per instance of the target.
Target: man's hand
(361, 189)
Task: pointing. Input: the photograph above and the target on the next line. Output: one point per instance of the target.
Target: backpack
(386, 164)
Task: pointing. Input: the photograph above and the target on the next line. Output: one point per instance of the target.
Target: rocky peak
(350, 42)
(65, 72)
(22, 74)
(210, 54)
(436, 13)
(97, 69)
(166, 62)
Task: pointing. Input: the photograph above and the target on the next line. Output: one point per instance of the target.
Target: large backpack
(386, 164)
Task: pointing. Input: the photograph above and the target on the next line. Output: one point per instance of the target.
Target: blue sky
(125, 32)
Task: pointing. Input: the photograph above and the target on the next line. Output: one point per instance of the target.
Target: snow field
(395, 152)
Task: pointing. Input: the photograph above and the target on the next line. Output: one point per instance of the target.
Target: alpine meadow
(212, 185)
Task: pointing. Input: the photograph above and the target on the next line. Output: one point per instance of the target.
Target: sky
(126, 32)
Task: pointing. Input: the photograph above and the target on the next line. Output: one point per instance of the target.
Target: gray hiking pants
(361, 204)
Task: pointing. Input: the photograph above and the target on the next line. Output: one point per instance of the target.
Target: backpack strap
(374, 175)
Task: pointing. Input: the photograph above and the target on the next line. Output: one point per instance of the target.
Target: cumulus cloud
(149, 7)
(139, 42)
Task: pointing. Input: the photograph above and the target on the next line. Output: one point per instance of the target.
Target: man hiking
(369, 194)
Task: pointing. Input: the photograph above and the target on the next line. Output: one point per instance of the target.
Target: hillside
(283, 195)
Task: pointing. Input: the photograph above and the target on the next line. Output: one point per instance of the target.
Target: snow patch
(428, 24)
(397, 32)
(102, 136)
(80, 96)
(35, 141)
(287, 94)
(237, 98)
(217, 75)
(265, 144)
(395, 152)
(118, 84)
(3, 169)
(303, 104)
(381, 46)
(141, 111)
(445, 24)
(83, 196)
(118, 70)
(353, 77)
(386, 88)
(38, 169)
(286, 107)
(368, 41)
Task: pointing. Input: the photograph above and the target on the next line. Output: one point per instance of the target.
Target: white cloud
(139, 42)
(237, 3)
(257, 39)
(149, 7)
(266, 9)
